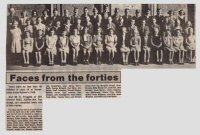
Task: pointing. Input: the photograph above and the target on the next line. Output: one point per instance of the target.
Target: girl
(23, 19)
(178, 26)
(40, 25)
(168, 42)
(188, 25)
(45, 17)
(78, 26)
(27, 47)
(132, 28)
(190, 45)
(135, 46)
(98, 44)
(87, 45)
(34, 17)
(181, 17)
(29, 27)
(16, 34)
(39, 47)
(51, 41)
(63, 42)
(75, 43)
(67, 27)
(124, 42)
(178, 43)
(156, 42)
(146, 48)
(111, 42)
(58, 28)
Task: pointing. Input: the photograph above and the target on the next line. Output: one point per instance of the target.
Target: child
(98, 44)
(135, 46)
(75, 43)
(156, 42)
(58, 28)
(146, 48)
(111, 42)
(16, 34)
(87, 45)
(63, 42)
(51, 41)
(40, 25)
(178, 43)
(132, 27)
(168, 42)
(27, 47)
(29, 27)
(39, 47)
(23, 19)
(190, 45)
(124, 42)
(67, 27)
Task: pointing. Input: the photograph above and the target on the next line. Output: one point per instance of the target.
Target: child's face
(24, 14)
(58, 23)
(124, 30)
(154, 21)
(132, 22)
(178, 33)
(191, 31)
(45, 13)
(79, 21)
(111, 32)
(35, 13)
(110, 19)
(15, 24)
(40, 33)
(27, 34)
(39, 20)
(99, 31)
(64, 33)
(75, 31)
(52, 32)
(29, 22)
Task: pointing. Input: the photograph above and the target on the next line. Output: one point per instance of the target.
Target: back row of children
(99, 33)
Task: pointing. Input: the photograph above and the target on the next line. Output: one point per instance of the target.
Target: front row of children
(125, 44)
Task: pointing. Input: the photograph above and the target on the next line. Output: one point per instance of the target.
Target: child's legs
(74, 54)
(27, 56)
(138, 55)
(157, 55)
(24, 56)
(36, 57)
(145, 55)
(123, 57)
(149, 55)
(161, 55)
(127, 55)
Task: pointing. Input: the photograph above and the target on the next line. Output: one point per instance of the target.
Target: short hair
(181, 10)
(126, 9)
(158, 9)
(55, 9)
(11, 9)
(116, 9)
(85, 8)
(45, 10)
(170, 11)
(34, 10)
(24, 11)
(137, 11)
(75, 8)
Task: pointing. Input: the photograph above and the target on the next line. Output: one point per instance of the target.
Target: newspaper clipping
(78, 51)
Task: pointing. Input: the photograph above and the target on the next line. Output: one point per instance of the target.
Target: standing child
(63, 42)
(190, 45)
(16, 34)
(168, 42)
(178, 43)
(75, 43)
(51, 41)
(39, 47)
(156, 42)
(29, 27)
(135, 46)
(98, 44)
(27, 47)
(87, 45)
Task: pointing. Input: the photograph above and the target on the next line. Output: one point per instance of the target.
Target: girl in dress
(188, 25)
(111, 42)
(51, 41)
(63, 43)
(124, 42)
(40, 25)
(132, 27)
(16, 34)
(29, 27)
(168, 43)
(78, 26)
(67, 26)
(27, 45)
(23, 19)
(34, 17)
(87, 45)
(75, 43)
(190, 45)
(135, 46)
(98, 44)
(146, 46)
(39, 47)
(178, 26)
(156, 42)
(178, 46)
(45, 17)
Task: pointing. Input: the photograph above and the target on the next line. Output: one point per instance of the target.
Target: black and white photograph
(100, 36)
